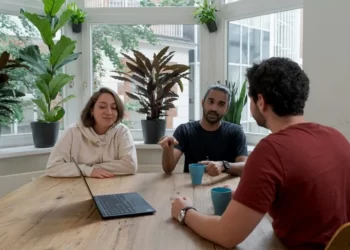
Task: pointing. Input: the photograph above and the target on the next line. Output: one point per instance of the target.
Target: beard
(259, 118)
(212, 117)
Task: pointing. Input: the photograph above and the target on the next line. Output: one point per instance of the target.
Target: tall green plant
(154, 81)
(8, 96)
(50, 80)
(238, 101)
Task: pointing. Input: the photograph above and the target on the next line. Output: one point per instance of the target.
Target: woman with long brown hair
(101, 145)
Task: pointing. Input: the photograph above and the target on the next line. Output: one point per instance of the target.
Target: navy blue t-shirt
(224, 144)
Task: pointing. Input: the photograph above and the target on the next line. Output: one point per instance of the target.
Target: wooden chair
(341, 239)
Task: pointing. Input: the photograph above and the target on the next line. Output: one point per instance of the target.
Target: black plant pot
(76, 27)
(153, 130)
(212, 27)
(45, 134)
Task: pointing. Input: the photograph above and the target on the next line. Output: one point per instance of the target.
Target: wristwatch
(226, 165)
(181, 216)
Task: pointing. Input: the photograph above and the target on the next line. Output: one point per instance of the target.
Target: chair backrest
(341, 238)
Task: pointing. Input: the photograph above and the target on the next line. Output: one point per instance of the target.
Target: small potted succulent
(77, 18)
(205, 13)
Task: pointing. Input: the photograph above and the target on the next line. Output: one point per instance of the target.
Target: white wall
(327, 62)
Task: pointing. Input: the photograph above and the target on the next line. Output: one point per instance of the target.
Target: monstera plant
(238, 101)
(8, 97)
(50, 80)
(155, 81)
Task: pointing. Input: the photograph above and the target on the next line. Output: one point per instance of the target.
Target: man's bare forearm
(236, 168)
(207, 227)
(168, 160)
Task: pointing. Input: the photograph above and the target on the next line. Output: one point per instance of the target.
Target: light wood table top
(58, 213)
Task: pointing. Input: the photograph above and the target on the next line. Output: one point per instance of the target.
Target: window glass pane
(254, 45)
(108, 41)
(265, 45)
(274, 35)
(137, 3)
(16, 33)
(234, 43)
(234, 73)
(244, 45)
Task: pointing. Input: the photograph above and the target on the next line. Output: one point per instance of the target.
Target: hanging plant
(77, 18)
(205, 13)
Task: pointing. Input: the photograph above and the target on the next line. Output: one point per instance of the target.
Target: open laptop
(119, 205)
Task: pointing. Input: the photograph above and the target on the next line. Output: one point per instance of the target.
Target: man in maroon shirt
(299, 174)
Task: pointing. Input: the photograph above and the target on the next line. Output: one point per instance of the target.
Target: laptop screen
(82, 175)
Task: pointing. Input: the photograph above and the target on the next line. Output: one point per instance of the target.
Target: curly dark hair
(282, 83)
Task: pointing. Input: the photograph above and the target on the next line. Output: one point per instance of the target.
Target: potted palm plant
(78, 17)
(205, 13)
(154, 88)
(9, 97)
(238, 101)
(48, 68)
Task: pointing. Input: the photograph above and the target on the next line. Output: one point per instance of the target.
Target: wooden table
(58, 213)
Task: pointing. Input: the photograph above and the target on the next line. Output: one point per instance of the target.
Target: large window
(254, 39)
(108, 41)
(137, 3)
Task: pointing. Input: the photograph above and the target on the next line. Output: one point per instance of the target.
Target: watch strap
(226, 165)
(184, 210)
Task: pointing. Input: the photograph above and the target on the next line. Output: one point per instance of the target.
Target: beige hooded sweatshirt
(113, 151)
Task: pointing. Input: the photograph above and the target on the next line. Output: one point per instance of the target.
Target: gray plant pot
(153, 130)
(76, 28)
(212, 27)
(45, 134)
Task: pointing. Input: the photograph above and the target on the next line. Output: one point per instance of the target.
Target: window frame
(209, 72)
(244, 9)
(126, 15)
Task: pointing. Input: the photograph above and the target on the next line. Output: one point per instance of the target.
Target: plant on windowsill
(154, 88)
(205, 13)
(78, 17)
(48, 68)
(9, 97)
(238, 101)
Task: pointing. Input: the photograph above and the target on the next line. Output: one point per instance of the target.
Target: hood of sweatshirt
(92, 136)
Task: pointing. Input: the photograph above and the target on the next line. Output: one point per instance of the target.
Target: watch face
(181, 216)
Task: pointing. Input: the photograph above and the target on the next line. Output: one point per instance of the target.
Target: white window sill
(31, 150)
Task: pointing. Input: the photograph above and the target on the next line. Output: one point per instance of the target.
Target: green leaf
(43, 86)
(55, 114)
(66, 61)
(43, 25)
(65, 100)
(63, 48)
(57, 83)
(52, 7)
(31, 55)
(64, 18)
(11, 92)
(41, 104)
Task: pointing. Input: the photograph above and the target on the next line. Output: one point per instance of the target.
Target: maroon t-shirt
(301, 177)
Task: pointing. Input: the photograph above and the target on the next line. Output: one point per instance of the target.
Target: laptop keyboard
(115, 204)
